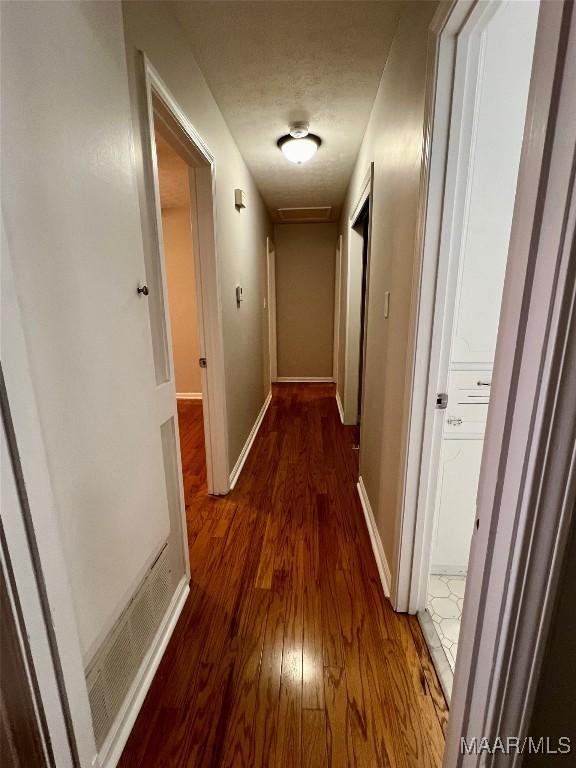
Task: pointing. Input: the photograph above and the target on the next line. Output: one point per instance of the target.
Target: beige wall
(240, 235)
(393, 141)
(305, 258)
(179, 257)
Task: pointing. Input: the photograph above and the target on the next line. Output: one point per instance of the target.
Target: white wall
(393, 140)
(70, 209)
(305, 259)
(240, 235)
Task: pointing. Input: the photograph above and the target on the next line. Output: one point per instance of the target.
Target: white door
(156, 289)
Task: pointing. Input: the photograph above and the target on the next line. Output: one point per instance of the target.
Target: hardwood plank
(314, 754)
(268, 697)
(239, 747)
(265, 572)
(336, 699)
(289, 745)
(312, 643)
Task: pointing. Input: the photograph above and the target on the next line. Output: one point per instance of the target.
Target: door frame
(272, 337)
(352, 341)
(161, 103)
(454, 59)
(337, 292)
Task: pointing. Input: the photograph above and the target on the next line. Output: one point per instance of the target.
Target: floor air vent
(112, 671)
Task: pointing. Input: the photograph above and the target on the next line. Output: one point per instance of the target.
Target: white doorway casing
(272, 337)
(353, 331)
(463, 259)
(337, 291)
(160, 104)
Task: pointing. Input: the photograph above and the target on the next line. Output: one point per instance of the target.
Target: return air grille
(114, 667)
(303, 215)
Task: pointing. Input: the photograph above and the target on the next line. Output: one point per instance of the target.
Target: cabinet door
(455, 504)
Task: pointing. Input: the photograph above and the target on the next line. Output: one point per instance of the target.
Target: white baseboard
(188, 395)
(248, 444)
(377, 548)
(116, 740)
(304, 379)
(340, 408)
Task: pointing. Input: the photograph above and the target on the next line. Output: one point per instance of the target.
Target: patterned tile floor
(444, 604)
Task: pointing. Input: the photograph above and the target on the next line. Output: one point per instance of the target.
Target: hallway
(286, 653)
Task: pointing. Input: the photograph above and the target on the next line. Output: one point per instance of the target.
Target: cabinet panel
(468, 400)
(455, 504)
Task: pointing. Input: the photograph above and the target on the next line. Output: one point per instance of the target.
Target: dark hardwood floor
(287, 654)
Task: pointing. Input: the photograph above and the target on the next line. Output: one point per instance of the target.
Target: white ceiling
(270, 63)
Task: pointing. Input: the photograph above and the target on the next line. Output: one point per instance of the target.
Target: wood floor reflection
(287, 654)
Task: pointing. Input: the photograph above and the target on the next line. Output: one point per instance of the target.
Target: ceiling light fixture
(299, 145)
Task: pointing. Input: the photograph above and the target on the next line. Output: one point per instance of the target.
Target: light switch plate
(387, 305)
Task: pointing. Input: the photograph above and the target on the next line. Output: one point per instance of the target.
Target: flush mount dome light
(299, 145)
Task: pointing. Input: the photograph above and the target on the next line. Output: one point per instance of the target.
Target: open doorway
(183, 303)
(357, 277)
(467, 239)
(362, 226)
(181, 282)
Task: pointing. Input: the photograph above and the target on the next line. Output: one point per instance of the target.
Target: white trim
(272, 333)
(116, 740)
(363, 195)
(340, 408)
(188, 395)
(352, 342)
(304, 379)
(249, 442)
(203, 201)
(337, 299)
(375, 540)
(438, 654)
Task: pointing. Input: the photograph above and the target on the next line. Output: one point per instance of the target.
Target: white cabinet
(459, 471)
(468, 398)
(456, 504)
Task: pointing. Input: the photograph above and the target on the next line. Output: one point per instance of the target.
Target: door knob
(143, 290)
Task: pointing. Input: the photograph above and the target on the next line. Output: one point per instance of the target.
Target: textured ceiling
(172, 175)
(270, 63)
